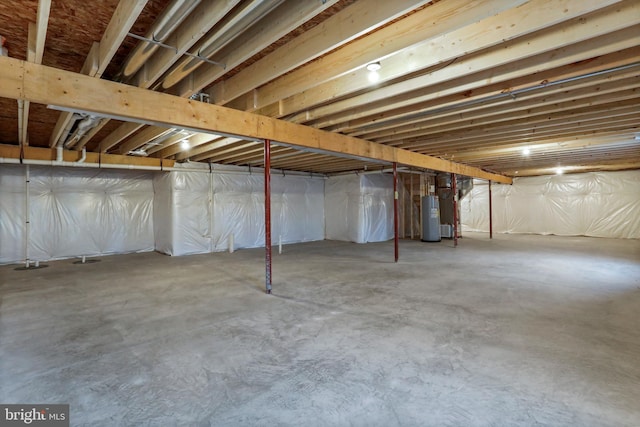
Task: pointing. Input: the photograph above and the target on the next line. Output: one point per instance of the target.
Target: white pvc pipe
(70, 164)
(20, 120)
(231, 243)
(84, 156)
(9, 160)
(59, 153)
(84, 259)
(280, 244)
(84, 164)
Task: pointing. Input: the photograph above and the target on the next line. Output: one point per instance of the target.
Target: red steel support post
(454, 191)
(490, 213)
(395, 211)
(267, 213)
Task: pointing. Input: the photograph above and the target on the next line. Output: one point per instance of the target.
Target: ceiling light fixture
(373, 76)
(526, 151)
(374, 66)
(559, 171)
(184, 144)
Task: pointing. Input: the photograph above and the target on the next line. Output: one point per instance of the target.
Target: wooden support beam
(50, 154)
(46, 85)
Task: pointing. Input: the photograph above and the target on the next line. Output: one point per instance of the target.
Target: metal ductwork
(242, 18)
(172, 16)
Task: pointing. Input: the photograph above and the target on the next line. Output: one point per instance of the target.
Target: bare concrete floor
(518, 331)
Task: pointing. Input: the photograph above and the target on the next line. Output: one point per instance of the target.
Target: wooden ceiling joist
(513, 77)
(199, 143)
(35, 51)
(526, 111)
(420, 45)
(283, 20)
(357, 19)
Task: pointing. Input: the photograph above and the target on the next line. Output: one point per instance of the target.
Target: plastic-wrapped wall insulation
(12, 213)
(359, 208)
(597, 204)
(75, 212)
(205, 209)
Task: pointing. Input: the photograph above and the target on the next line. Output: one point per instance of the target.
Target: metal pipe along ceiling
(242, 18)
(172, 16)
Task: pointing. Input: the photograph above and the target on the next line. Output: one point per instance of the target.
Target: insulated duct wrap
(597, 204)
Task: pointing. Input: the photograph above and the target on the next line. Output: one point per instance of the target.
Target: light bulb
(374, 66)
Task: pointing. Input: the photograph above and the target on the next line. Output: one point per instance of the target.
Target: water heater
(430, 219)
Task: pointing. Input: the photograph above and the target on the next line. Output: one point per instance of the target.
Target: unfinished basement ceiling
(517, 88)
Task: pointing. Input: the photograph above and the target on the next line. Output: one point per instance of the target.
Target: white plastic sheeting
(74, 212)
(12, 213)
(359, 208)
(197, 212)
(598, 204)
